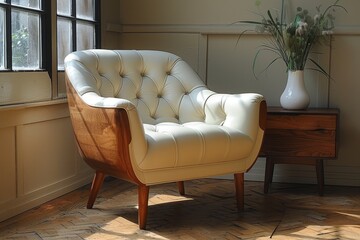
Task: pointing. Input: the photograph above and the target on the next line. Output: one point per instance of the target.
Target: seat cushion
(173, 145)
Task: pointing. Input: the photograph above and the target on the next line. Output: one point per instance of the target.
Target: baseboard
(21, 204)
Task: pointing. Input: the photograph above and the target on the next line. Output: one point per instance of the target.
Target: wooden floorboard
(207, 211)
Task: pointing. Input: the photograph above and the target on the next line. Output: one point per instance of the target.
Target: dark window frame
(44, 15)
(74, 20)
(46, 31)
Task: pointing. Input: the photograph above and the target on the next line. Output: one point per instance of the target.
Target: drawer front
(300, 135)
(301, 122)
(299, 143)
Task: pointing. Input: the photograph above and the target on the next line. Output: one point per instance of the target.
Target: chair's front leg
(143, 199)
(181, 188)
(239, 187)
(95, 187)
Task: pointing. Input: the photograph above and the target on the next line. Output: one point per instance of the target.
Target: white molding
(220, 29)
(33, 104)
(180, 28)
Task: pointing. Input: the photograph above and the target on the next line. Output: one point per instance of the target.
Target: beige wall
(203, 33)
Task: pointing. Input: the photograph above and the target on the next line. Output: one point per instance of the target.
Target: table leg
(320, 175)
(269, 171)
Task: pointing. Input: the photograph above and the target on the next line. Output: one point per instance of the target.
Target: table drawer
(303, 134)
(301, 122)
(299, 143)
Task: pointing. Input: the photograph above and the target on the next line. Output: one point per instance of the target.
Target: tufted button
(168, 73)
(142, 74)
(159, 95)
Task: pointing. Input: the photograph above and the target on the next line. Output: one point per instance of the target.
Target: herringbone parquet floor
(289, 211)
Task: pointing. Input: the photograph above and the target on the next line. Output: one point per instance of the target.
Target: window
(26, 35)
(77, 26)
(20, 34)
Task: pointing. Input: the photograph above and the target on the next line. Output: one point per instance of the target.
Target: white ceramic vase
(295, 96)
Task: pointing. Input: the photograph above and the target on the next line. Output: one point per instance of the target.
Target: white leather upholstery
(179, 128)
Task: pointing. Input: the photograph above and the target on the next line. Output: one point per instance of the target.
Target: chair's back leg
(143, 198)
(95, 187)
(239, 187)
(181, 188)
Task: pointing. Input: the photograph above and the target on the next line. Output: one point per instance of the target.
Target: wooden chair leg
(143, 199)
(95, 187)
(181, 188)
(239, 187)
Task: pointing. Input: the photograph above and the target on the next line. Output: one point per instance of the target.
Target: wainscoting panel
(39, 160)
(44, 154)
(7, 164)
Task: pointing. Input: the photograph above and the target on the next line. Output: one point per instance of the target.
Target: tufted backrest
(161, 85)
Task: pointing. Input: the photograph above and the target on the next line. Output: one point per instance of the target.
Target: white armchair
(146, 117)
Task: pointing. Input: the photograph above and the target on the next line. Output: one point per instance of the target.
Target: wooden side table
(299, 137)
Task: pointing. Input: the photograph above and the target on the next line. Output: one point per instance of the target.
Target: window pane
(2, 38)
(25, 35)
(85, 9)
(85, 36)
(64, 7)
(64, 41)
(27, 3)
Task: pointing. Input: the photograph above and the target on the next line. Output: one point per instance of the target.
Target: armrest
(245, 112)
(94, 100)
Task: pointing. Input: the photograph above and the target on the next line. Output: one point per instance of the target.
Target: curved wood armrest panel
(262, 124)
(103, 136)
(263, 115)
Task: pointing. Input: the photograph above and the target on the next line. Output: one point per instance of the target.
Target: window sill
(33, 104)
